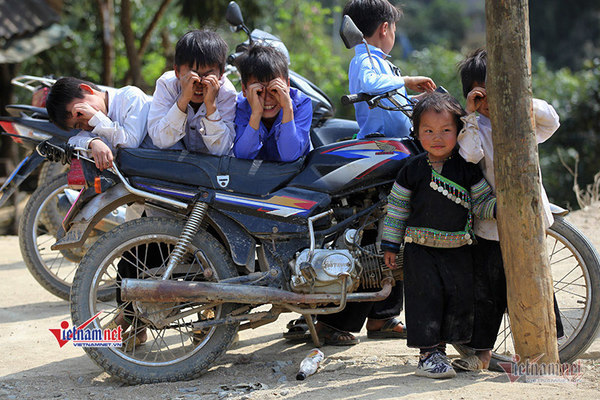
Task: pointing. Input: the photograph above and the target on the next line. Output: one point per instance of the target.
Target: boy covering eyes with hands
(272, 120)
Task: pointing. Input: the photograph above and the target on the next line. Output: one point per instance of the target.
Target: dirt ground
(260, 366)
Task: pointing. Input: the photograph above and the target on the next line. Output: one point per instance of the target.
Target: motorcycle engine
(322, 275)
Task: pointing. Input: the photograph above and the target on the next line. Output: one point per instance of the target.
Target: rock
(282, 379)
(188, 389)
(371, 360)
(334, 367)
(284, 392)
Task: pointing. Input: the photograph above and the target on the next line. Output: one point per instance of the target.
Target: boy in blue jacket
(272, 120)
(377, 19)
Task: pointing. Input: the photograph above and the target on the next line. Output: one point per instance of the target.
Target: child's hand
(83, 112)
(390, 259)
(256, 98)
(101, 154)
(187, 82)
(419, 83)
(211, 86)
(475, 99)
(280, 91)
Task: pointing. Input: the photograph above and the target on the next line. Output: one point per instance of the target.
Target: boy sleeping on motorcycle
(107, 119)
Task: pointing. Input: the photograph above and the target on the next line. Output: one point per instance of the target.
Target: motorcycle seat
(253, 177)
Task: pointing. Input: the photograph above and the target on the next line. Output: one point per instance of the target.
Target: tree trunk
(148, 33)
(135, 68)
(518, 186)
(107, 18)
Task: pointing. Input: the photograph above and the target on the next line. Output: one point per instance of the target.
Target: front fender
(91, 213)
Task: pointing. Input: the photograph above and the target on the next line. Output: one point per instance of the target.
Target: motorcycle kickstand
(312, 329)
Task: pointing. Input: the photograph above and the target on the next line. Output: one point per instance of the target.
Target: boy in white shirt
(193, 105)
(475, 141)
(108, 119)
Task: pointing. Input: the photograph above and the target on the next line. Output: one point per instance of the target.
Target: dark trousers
(352, 318)
(439, 295)
(489, 284)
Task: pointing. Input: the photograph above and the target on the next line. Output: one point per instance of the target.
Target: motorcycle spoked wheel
(53, 269)
(172, 351)
(575, 266)
(51, 217)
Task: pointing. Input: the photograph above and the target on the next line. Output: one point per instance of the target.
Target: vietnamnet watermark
(82, 337)
(533, 372)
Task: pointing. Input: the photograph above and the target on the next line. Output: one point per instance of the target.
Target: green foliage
(307, 29)
(438, 63)
(80, 54)
(212, 12)
(576, 97)
(443, 22)
(565, 33)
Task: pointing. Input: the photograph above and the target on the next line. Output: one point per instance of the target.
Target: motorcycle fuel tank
(354, 164)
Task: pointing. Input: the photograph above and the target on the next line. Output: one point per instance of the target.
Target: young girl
(431, 209)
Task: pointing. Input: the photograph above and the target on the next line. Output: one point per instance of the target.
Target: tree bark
(107, 18)
(135, 69)
(518, 186)
(148, 33)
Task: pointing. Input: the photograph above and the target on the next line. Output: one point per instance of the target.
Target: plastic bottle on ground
(310, 364)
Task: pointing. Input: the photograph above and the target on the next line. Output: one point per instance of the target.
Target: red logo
(82, 337)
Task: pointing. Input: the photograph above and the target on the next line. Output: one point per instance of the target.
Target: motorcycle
(298, 237)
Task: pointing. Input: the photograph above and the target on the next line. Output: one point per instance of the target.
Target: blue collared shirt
(364, 78)
(283, 142)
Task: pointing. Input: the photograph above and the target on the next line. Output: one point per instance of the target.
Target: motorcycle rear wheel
(172, 351)
(575, 266)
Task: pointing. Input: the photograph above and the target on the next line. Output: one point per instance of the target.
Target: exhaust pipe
(160, 291)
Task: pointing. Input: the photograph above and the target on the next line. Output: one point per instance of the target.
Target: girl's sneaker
(435, 365)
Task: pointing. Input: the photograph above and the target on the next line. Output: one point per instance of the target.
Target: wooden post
(516, 166)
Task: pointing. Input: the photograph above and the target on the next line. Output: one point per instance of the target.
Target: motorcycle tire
(575, 268)
(52, 269)
(172, 351)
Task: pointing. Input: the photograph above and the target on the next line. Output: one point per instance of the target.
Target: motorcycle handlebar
(355, 98)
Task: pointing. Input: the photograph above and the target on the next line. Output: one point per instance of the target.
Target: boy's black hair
(264, 63)
(201, 48)
(63, 92)
(367, 15)
(473, 69)
(438, 102)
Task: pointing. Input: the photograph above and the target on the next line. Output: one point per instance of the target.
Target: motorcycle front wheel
(53, 269)
(575, 266)
(173, 349)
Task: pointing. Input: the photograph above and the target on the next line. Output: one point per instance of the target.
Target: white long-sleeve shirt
(168, 126)
(475, 141)
(125, 123)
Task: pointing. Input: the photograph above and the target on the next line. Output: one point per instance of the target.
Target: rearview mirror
(350, 34)
(233, 14)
